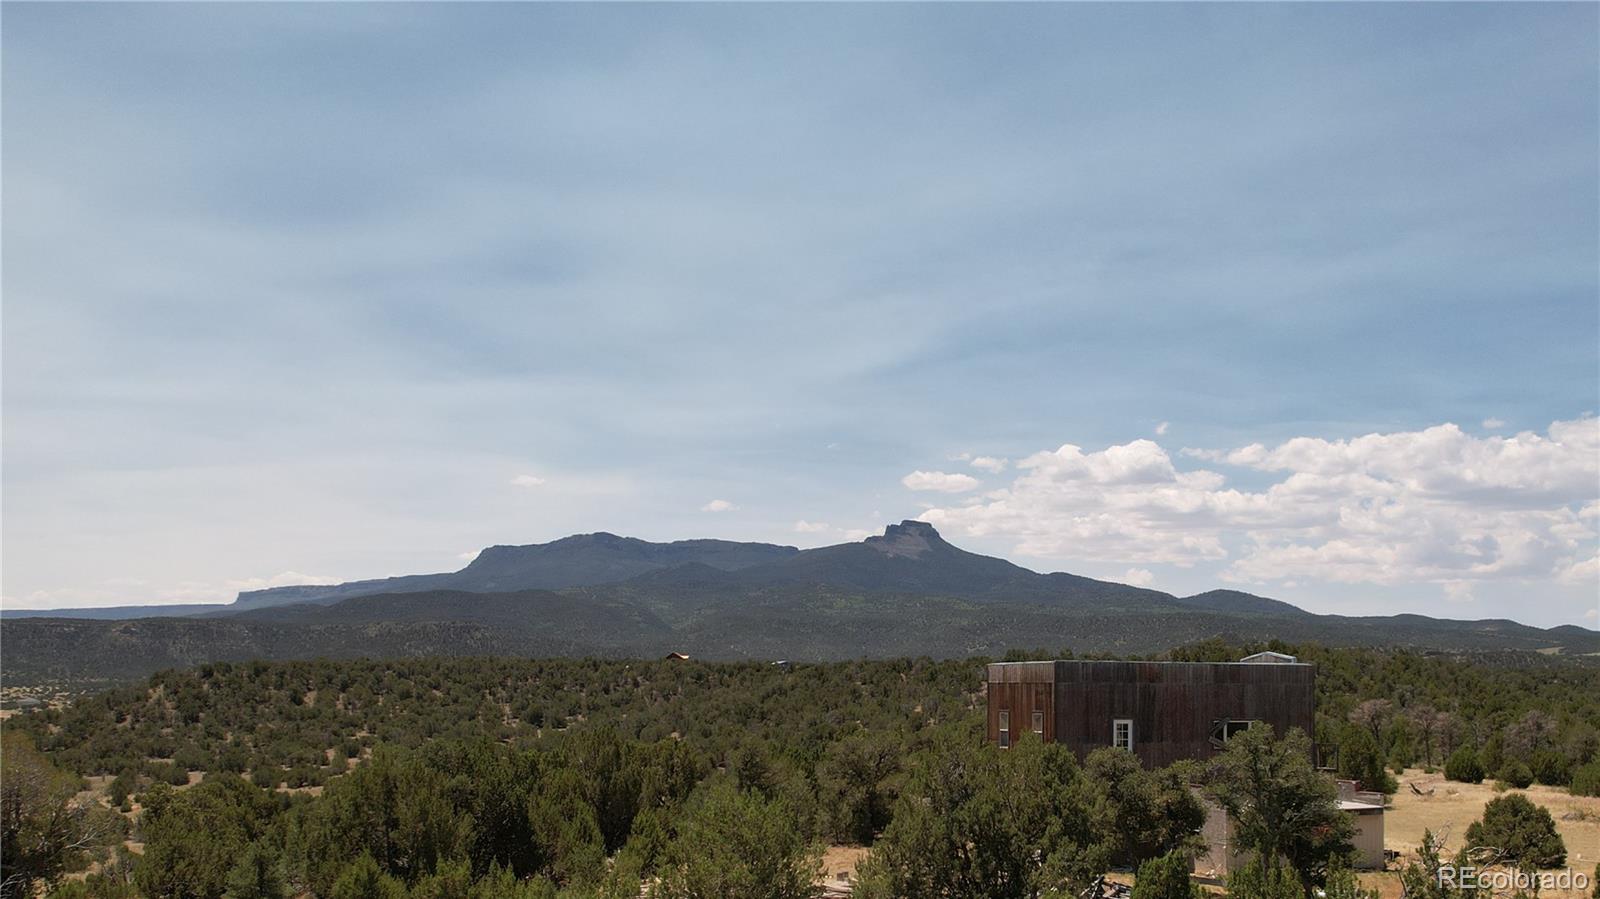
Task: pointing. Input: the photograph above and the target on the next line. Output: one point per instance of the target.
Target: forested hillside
(524, 776)
(813, 623)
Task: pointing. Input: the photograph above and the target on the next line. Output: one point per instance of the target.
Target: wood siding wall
(1173, 705)
(1022, 690)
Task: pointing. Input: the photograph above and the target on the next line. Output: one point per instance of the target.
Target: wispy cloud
(658, 260)
(940, 481)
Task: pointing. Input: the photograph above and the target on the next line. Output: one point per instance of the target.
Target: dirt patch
(841, 859)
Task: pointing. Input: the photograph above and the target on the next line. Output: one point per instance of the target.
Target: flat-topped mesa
(909, 538)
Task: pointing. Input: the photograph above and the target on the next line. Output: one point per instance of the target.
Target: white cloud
(1592, 614)
(1584, 571)
(282, 579)
(940, 481)
(527, 480)
(1494, 424)
(1161, 429)
(718, 505)
(1431, 506)
(469, 555)
(857, 534)
(991, 464)
(811, 527)
(1138, 577)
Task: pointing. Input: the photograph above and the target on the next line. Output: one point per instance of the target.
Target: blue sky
(323, 292)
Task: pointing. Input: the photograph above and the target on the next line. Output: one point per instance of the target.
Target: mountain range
(906, 592)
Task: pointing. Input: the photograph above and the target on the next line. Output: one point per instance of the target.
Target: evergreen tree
(976, 822)
(256, 875)
(738, 844)
(1282, 807)
(1166, 877)
(1523, 832)
(364, 879)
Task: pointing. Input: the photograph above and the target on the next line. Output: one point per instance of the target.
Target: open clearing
(1452, 807)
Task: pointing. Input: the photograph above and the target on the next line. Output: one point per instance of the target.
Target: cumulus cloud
(1494, 424)
(1161, 429)
(718, 505)
(990, 464)
(1430, 506)
(812, 527)
(527, 480)
(940, 481)
(1138, 577)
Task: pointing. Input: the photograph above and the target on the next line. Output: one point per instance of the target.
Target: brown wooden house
(1161, 711)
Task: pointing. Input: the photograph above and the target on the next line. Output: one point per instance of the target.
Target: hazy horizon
(1302, 301)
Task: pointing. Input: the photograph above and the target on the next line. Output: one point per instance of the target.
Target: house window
(1122, 733)
(1225, 729)
(1005, 729)
(1038, 723)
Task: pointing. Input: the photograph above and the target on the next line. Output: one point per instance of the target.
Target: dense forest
(441, 777)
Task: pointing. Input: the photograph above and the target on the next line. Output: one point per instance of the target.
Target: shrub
(1166, 877)
(1343, 884)
(1463, 766)
(1524, 832)
(1258, 881)
(363, 879)
(1360, 760)
(1586, 781)
(121, 786)
(1516, 774)
(1551, 768)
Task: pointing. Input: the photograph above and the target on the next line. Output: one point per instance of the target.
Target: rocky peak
(909, 538)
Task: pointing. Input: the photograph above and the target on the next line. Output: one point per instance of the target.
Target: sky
(1302, 300)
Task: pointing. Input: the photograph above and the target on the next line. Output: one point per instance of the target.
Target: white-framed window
(1005, 729)
(1122, 733)
(1038, 722)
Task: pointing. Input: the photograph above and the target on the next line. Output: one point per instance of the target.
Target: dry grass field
(1451, 807)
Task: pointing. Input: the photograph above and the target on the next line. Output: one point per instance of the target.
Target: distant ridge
(577, 561)
(905, 592)
(1241, 603)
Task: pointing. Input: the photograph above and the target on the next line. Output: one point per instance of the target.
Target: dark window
(1038, 723)
(1225, 729)
(1005, 729)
